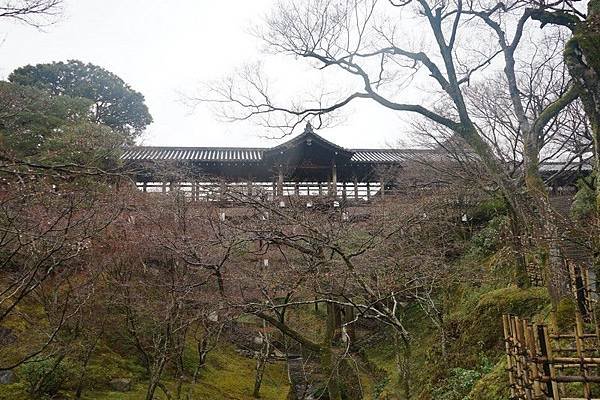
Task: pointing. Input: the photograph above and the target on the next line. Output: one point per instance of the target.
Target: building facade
(306, 165)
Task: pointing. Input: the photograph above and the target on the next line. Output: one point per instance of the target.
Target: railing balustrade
(219, 191)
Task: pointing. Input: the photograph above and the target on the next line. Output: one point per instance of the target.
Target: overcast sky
(164, 48)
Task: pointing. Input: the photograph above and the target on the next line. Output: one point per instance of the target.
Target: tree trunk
(86, 360)
(261, 363)
(521, 277)
(582, 56)
(155, 376)
(328, 361)
(202, 347)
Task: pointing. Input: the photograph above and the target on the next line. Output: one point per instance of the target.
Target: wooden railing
(218, 191)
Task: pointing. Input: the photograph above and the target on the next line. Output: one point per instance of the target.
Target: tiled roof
(233, 154)
(309, 136)
(573, 166)
(230, 154)
(369, 156)
(387, 155)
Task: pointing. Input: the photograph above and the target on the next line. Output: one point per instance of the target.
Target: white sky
(162, 48)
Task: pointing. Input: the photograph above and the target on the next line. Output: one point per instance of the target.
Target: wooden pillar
(320, 188)
(355, 188)
(280, 181)
(296, 189)
(144, 186)
(344, 190)
(222, 190)
(249, 188)
(333, 191)
(382, 190)
(368, 191)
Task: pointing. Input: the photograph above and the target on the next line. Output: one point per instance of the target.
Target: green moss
(424, 361)
(474, 337)
(108, 366)
(492, 386)
(565, 315)
(484, 322)
(584, 202)
(589, 42)
(594, 7)
(487, 240)
(16, 391)
(458, 384)
(227, 375)
(488, 209)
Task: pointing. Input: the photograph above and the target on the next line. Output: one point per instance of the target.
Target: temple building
(306, 165)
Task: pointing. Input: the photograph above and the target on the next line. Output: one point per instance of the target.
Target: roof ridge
(308, 131)
(167, 148)
(141, 147)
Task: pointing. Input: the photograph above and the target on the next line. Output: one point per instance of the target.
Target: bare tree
(362, 40)
(359, 267)
(45, 237)
(36, 13)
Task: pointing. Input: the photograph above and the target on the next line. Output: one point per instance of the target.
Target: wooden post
(520, 364)
(580, 346)
(344, 190)
(368, 191)
(549, 370)
(527, 364)
(509, 359)
(382, 189)
(144, 186)
(333, 191)
(355, 188)
(296, 189)
(532, 355)
(320, 188)
(280, 181)
(222, 190)
(164, 187)
(587, 292)
(250, 189)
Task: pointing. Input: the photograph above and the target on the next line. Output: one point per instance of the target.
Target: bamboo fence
(544, 365)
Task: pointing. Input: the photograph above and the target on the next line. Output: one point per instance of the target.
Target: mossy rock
(483, 324)
(492, 386)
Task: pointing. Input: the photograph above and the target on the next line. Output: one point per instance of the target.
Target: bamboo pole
(509, 361)
(580, 353)
(552, 370)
